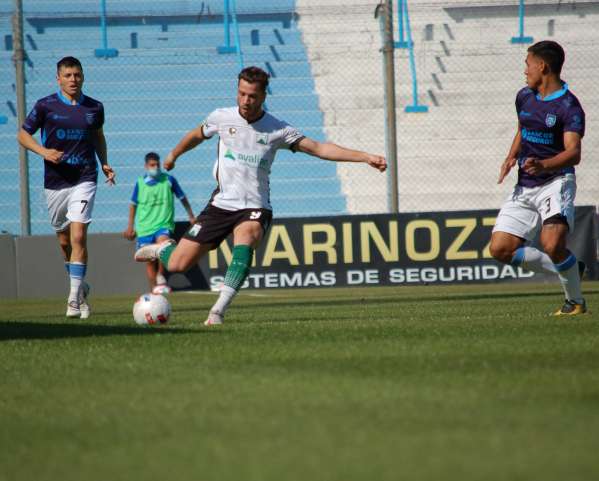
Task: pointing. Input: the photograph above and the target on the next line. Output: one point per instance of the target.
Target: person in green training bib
(152, 215)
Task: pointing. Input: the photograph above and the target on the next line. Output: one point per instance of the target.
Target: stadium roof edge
(47, 20)
(477, 10)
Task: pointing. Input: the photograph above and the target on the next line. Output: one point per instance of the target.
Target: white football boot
(83, 304)
(214, 319)
(73, 309)
(151, 252)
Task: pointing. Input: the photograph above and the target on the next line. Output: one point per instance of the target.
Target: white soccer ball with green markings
(151, 309)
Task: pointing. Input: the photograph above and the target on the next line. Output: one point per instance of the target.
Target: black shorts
(214, 225)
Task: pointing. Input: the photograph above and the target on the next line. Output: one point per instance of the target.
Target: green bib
(155, 206)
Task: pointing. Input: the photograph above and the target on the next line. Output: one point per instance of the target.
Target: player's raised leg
(246, 238)
(510, 249)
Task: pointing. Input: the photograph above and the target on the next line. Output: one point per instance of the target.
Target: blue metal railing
(104, 51)
(521, 38)
(408, 42)
(230, 16)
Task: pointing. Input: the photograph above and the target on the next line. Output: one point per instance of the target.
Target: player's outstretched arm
(191, 140)
(512, 157)
(568, 158)
(102, 152)
(27, 141)
(336, 153)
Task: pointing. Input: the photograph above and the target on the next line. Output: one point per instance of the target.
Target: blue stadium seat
(154, 93)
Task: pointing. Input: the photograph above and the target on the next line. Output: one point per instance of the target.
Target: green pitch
(425, 383)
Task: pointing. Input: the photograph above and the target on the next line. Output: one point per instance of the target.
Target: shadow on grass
(360, 300)
(61, 330)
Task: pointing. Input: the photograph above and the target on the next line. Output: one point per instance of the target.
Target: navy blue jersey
(542, 126)
(67, 128)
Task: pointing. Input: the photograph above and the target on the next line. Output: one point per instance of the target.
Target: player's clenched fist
(53, 155)
(169, 162)
(378, 162)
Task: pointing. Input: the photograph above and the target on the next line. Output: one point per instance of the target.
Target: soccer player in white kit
(249, 138)
(547, 146)
(72, 137)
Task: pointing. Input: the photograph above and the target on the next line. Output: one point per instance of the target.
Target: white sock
(224, 299)
(160, 279)
(568, 274)
(534, 260)
(77, 273)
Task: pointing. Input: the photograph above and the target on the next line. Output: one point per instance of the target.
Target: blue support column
(415, 107)
(227, 47)
(237, 36)
(401, 8)
(105, 52)
(521, 38)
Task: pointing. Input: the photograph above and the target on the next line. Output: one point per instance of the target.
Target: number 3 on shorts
(550, 206)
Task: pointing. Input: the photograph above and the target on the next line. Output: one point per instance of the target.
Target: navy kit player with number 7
(546, 148)
(71, 138)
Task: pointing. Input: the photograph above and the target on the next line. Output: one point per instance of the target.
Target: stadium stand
(468, 73)
(167, 84)
(327, 80)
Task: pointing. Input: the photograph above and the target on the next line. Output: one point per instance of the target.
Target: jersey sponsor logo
(252, 160)
(195, 230)
(537, 137)
(71, 134)
(550, 120)
(75, 160)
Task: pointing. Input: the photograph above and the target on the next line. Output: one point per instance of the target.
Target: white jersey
(246, 152)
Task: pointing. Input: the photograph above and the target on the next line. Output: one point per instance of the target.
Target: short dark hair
(68, 62)
(254, 75)
(551, 53)
(152, 156)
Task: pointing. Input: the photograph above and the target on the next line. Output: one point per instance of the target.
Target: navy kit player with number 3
(546, 148)
(71, 138)
(249, 138)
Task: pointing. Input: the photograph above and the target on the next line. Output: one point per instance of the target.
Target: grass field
(424, 383)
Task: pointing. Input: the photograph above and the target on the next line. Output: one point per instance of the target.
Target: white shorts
(72, 204)
(526, 208)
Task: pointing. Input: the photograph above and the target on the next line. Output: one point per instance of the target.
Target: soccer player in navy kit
(546, 148)
(72, 136)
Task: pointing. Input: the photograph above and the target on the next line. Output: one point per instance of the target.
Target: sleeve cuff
(293, 146)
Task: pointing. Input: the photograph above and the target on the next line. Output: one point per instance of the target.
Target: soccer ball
(151, 309)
